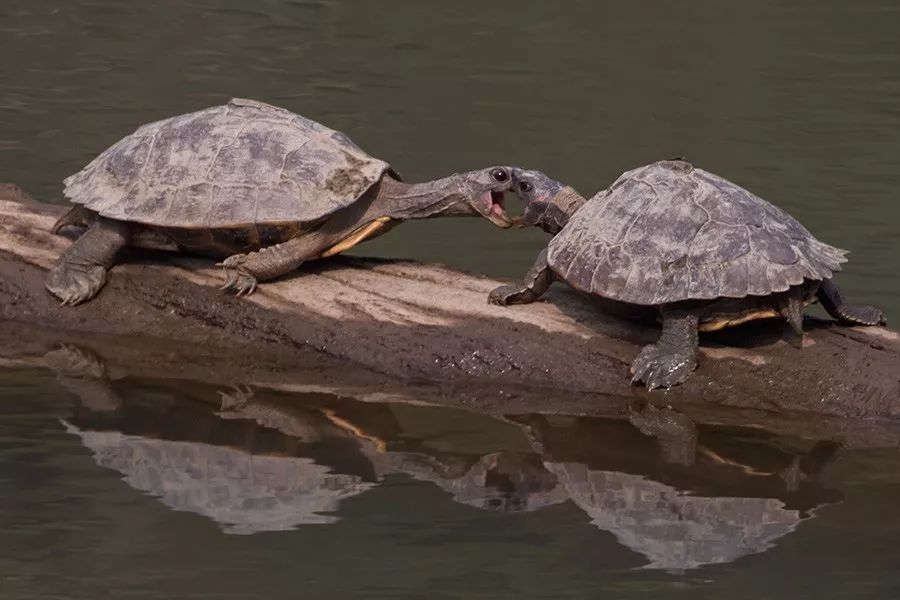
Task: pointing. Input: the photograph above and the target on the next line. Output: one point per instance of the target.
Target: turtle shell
(283, 492)
(227, 166)
(668, 232)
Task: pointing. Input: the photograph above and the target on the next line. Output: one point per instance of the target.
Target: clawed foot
(237, 280)
(74, 284)
(84, 374)
(236, 399)
(509, 294)
(659, 366)
(862, 315)
(664, 421)
(675, 432)
(73, 361)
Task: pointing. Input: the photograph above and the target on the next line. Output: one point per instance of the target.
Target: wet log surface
(401, 330)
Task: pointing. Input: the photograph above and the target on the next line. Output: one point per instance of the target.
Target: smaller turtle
(251, 183)
(703, 251)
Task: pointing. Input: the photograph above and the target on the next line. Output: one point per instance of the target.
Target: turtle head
(474, 194)
(513, 481)
(484, 192)
(548, 202)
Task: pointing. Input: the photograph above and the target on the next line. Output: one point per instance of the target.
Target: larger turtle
(703, 251)
(251, 183)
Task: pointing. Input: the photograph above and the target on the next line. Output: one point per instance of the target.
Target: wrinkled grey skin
(701, 249)
(253, 184)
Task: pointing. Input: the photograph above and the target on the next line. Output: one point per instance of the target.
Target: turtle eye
(500, 175)
(525, 187)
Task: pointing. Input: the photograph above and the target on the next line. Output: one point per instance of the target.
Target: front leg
(81, 271)
(85, 375)
(672, 359)
(244, 271)
(537, 281)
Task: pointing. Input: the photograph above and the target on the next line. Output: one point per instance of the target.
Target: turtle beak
(491, 206)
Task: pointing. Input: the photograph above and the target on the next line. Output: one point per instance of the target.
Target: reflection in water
(261, 461)
(245, 493)
(734, 496)
(672, 529)
(501, 481)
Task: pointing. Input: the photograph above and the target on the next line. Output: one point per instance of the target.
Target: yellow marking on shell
(762, 313)
(341, 423)
(722, 323)
(358, 235)
(726, 352)
(716, 457)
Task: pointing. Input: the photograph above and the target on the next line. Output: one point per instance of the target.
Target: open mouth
(494, 208)
(498, 212)
(498, 206)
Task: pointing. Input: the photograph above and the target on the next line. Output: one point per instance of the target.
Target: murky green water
(798, 102)
(153, 488)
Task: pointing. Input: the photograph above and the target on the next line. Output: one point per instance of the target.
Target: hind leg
(244, 271)
(81, 270)
(78, 216)
(847, 314)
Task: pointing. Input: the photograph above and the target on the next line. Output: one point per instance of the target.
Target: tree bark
(402, 329)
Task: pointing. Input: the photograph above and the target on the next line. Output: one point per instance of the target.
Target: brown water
(155, 488)
(798, 102)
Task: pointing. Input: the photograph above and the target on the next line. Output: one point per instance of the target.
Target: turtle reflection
(244, 492)
(703, 496)
(680, 495)
(500, 481)
(270, 463)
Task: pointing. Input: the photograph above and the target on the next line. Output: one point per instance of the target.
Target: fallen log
(404, 321)
(203, 372)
